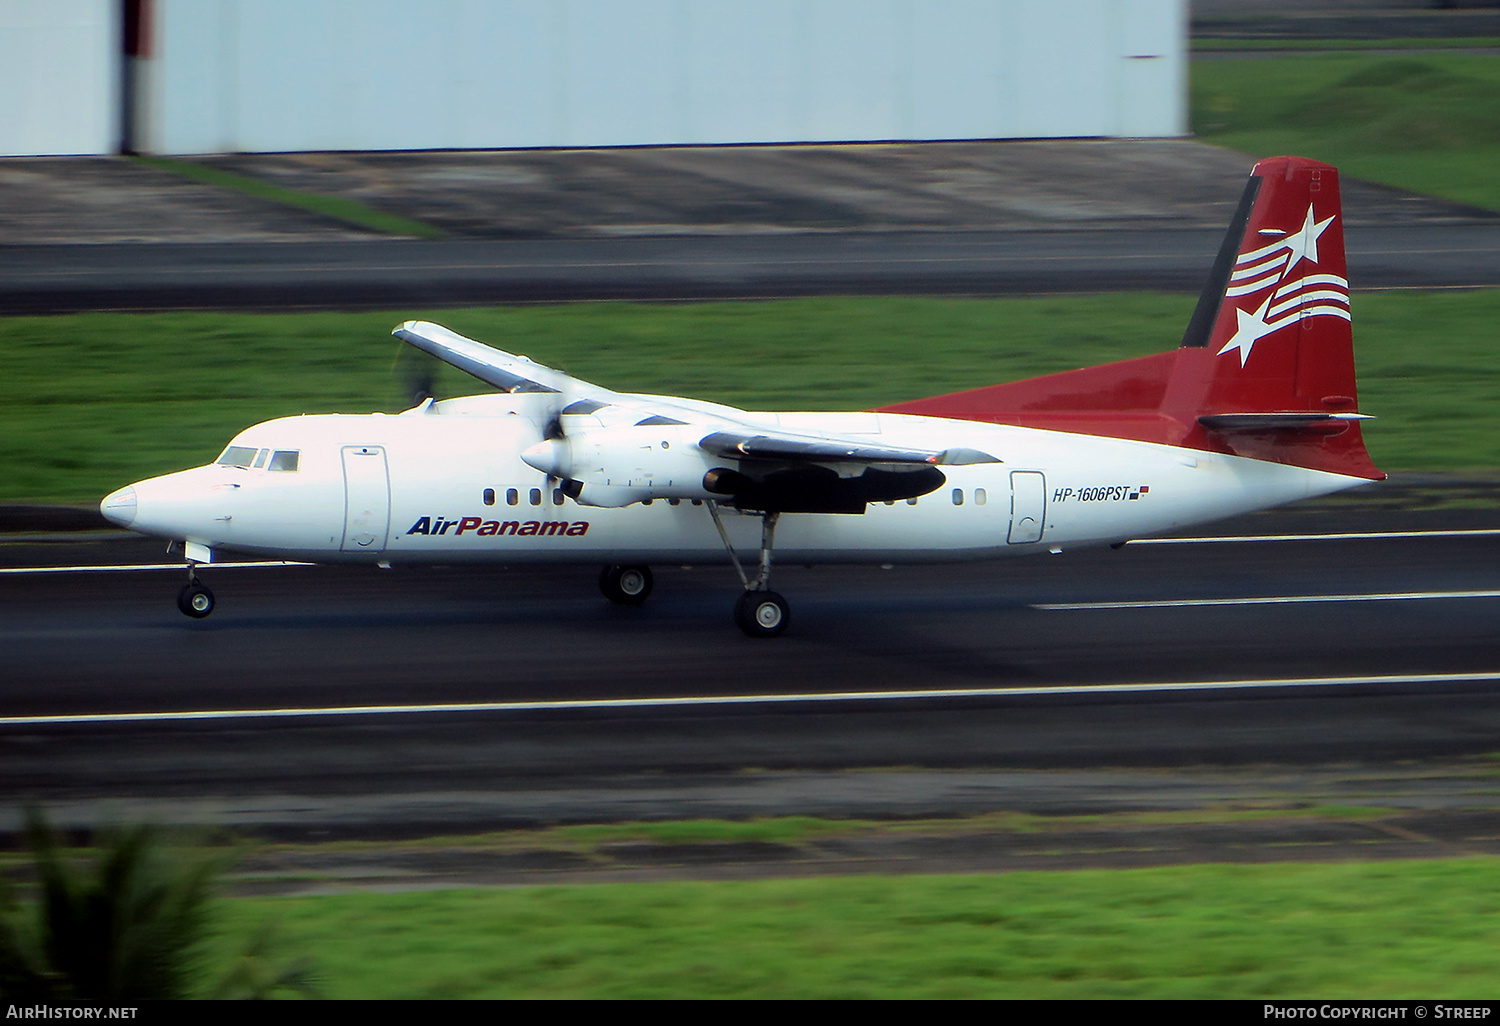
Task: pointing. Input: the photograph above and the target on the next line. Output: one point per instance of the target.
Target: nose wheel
(195, 599)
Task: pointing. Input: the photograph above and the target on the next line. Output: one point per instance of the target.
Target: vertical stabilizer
(1266, 365)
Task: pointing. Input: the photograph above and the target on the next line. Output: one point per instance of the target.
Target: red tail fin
(1266, 366)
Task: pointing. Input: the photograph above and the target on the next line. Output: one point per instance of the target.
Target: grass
(1429, 123)
(792, 831)
(95, 401)
(1218, 44)
(339, 208)
(1384, 931)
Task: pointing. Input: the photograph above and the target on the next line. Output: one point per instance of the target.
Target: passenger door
(367, 499)
(1028, 506)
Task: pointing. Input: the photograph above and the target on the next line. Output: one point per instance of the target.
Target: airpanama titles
(483, 528)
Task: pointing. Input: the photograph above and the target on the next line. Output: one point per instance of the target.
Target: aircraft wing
(770, 469)
(505, 371)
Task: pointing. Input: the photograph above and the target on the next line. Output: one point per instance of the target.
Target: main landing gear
(759, 612)
(626, 585)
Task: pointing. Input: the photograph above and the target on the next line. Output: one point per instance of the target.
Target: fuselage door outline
(1028, 506)
(367, 499)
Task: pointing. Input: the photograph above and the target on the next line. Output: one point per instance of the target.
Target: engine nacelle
(608, 496)
(618, 466)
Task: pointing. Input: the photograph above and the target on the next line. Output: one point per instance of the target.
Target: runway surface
(403, 273)
(1398, 657)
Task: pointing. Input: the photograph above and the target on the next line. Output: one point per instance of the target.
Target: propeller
(417, 373)
(553, 431)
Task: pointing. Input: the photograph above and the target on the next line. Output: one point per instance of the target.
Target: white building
(278, 75)
(60, 91)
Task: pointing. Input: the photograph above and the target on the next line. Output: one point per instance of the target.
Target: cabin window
(237, 456)
(912, 501)
(979, 497)
(489, 496)
(646, 502)
(512, 497)
(958, 496)
(557, 496)
(285, 461)
(536, 496)
(674, 502)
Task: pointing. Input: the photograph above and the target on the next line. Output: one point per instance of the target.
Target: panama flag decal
(1285, 271)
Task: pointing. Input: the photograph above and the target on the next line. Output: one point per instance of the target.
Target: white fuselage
(446, 483)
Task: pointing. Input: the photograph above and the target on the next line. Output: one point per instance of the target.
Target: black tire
(762, 614)
(195, 600)
(626, 585)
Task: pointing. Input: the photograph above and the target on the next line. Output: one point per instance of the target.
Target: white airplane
(1257, 407)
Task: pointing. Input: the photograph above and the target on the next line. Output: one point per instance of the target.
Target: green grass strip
(592, 838)
(95, 401)
(1383, 930)
(337, 207)
(1229, 44)
(1429, 123)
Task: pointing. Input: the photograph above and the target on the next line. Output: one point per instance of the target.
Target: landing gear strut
(626, 585)
(195, 599)
(759, 612)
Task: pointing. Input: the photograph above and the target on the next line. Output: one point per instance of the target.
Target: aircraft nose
(120, 507)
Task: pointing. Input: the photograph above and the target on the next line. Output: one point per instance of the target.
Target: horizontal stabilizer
(1277, 421)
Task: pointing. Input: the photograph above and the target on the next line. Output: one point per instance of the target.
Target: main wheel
(195, 600)
(626, 585)
(761, 614)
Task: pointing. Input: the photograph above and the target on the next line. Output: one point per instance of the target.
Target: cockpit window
(260, 458)
(237, 456)
(285, 460)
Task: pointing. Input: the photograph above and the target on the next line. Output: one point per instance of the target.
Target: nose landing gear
(195, 599)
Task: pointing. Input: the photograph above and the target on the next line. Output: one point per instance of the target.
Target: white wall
(267, 75)
(60, 83)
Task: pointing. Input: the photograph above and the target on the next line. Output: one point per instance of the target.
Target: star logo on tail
(1303, 245)
(1250, 329)
(1291, 297)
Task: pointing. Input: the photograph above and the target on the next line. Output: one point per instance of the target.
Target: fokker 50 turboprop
(1255, 408)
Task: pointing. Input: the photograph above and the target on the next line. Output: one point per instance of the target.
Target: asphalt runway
(1374, 649)
(414, 274)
